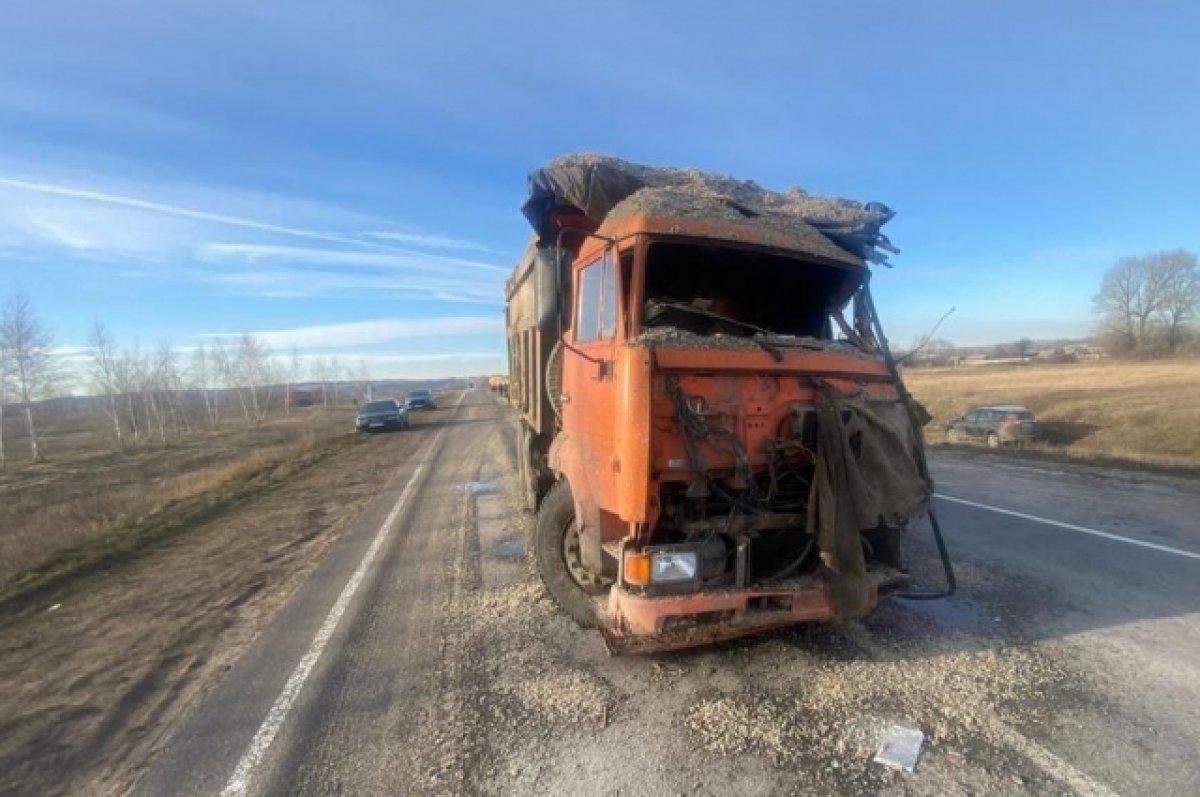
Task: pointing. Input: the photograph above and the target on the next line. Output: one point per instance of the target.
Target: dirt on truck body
(713, 433)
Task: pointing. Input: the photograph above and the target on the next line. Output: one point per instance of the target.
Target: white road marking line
(239, 781)
(1072, 527)
(1047, 761)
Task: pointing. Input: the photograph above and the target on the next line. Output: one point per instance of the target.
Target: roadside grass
(1136, 413)
(89, 503)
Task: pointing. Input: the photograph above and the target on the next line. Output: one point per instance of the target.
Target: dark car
(378, 416)
(421, 400)
(995, 425)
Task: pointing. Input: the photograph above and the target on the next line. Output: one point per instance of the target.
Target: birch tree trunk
(32, 427)
(27, 345)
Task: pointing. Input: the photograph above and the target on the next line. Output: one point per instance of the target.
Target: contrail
(188, 213)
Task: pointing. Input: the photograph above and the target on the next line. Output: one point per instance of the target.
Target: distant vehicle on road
(498, 383)
(379, 416)
(995, 425)
(421, 399)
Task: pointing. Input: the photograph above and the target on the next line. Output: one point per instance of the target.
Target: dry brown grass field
(1133, 412)
(89, 495)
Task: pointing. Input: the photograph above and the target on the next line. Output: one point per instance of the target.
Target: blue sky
(345, 177)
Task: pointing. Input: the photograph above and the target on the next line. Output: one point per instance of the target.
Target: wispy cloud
(175, 240)
(51, 189)
(376, 241)
(34, 226)
(295, 271)
(430, 241)
(397, 259)
(368, 333)
(283, 283)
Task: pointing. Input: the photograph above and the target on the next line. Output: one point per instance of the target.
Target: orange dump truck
(713, 434)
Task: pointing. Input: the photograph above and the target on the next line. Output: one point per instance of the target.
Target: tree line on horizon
(150, 395)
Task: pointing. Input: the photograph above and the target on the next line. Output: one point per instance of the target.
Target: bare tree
(199, 374)
(129, 373)
(320, 373)
(1023, 348)
(28, 344)
(228, 368)
(1123, 305)
(1147, 298)
(1179, 279)
(335, 377)
(105, 370)
(153, 398)
(293, 373)
(362, 375)
(171, 387)
(257, 373)
(223, 372)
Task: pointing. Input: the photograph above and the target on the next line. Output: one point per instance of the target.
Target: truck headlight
(669, 567)
(664, 565)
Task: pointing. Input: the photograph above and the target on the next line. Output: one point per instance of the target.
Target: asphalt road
(421, 657)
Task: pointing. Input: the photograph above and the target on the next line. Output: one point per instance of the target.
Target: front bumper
(643, 624)
(376, 423)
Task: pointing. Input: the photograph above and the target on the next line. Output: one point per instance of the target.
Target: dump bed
(531, 321)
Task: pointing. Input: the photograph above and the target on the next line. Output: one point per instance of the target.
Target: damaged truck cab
(711, 433)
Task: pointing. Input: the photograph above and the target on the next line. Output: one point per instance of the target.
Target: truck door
(589, 381)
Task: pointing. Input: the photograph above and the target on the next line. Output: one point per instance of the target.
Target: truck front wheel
(556, 552)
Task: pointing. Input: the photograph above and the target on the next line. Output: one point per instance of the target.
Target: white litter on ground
(901, 748)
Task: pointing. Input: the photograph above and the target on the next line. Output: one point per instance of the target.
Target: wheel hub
(573, 556)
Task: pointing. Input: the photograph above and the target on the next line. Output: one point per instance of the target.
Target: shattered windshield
(711, 290)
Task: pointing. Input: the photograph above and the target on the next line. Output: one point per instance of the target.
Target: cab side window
(596, 315)
(588, 318)
(608, 299)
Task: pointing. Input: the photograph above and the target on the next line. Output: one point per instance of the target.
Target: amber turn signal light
(637, 569)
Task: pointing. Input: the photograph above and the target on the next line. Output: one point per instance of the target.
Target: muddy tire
(553, 523)
(993, 440)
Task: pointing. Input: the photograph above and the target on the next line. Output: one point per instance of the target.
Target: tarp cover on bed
(597, 184)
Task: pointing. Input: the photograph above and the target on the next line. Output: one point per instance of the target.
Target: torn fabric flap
(866, 476)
